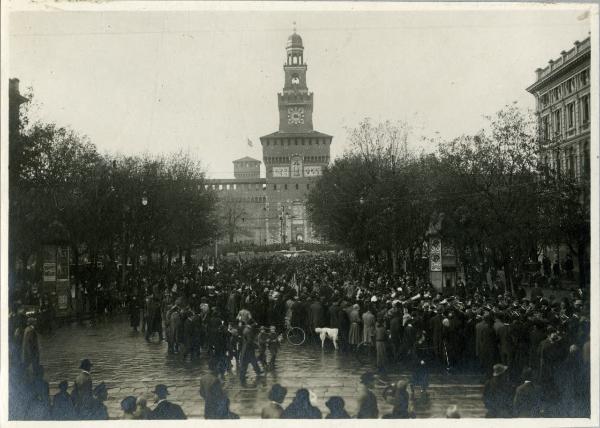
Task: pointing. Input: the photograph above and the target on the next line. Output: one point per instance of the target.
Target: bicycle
(364, 352)
(295, 335)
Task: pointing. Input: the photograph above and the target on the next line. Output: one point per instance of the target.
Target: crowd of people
(532, 349)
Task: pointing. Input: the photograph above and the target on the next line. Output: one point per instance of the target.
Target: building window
(556, 93)
(557, 122)
(285, 186)
(571, 160)
(570, 85)
(586, 159)
(546, 127)
(585, 109)
(307, 186)
(585, 77)
(571, 115)
(544, 99)
(296, 186)
(274, 186)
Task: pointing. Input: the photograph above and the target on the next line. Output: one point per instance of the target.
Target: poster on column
(435, 255)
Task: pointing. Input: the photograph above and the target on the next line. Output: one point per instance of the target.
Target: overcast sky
(205, 81)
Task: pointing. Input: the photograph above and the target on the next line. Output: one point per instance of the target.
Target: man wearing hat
(165, 409)
(367, 402)
(497, 394)
(273, 410)
(82, 387)
(97, 410)
(30, 351)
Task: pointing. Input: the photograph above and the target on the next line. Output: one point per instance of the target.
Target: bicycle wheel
(296, 336)
(363, 353)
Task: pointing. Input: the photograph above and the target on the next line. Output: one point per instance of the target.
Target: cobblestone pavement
(131, 366)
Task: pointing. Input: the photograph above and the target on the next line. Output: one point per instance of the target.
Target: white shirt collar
(85, 371)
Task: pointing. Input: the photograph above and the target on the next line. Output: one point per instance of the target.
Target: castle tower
(295, 155)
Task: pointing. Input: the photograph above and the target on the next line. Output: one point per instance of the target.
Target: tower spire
(294, 27)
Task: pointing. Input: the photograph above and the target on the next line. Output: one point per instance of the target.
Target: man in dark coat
(497, 394)
(97, 410)
(248, 351)
(367, 401)
(30, 351)
(82, 388)
(486, 345)
(301, 407)
(527, 400)
(133, 308)
(165, 409)
(396, 333)
(436, 328)
(344, 328)
(154, 319)
(62, 404)
(505, 344)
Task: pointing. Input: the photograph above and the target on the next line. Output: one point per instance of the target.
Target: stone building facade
(272, 209)
(562, 93)
(563, 111)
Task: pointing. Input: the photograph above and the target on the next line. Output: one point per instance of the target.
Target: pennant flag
(250, 143)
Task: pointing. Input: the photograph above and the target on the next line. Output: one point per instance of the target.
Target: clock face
(295, 115)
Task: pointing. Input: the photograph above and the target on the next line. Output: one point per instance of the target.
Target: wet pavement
(131, 366)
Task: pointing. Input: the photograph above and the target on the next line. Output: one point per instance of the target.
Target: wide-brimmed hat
(499, 369)
(85, 364)
(161, 390)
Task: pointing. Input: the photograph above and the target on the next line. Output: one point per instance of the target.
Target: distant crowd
(532, 348)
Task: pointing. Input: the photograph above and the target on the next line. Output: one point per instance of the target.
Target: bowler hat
(161, 390)
(277, 393)
(128, 404)
(85, 364)
(335, 402)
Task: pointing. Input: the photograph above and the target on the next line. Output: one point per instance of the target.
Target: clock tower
(295, 102)
(294, 156)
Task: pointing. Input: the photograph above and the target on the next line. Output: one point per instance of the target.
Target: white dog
(331, 333)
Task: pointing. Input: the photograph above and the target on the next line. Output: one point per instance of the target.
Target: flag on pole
(250, 143)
